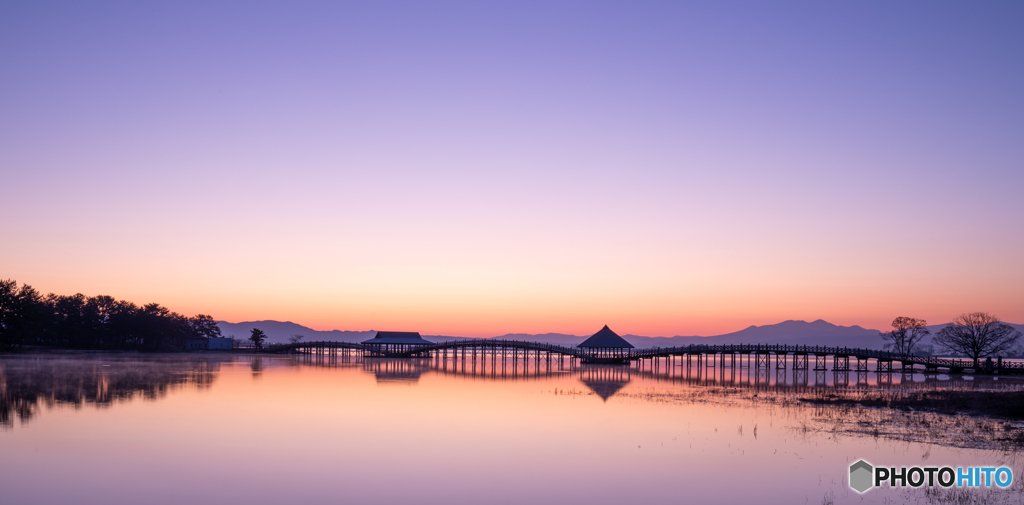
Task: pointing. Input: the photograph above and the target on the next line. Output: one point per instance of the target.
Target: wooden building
(392, 343)
(606, 346)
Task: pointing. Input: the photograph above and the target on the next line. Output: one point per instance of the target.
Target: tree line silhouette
(27, 318)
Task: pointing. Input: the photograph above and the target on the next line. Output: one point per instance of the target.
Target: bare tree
(906, 333)
(977, 335)
(296, 338)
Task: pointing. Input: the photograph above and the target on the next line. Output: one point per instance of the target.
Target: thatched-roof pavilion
(387, 343)
(606, 344)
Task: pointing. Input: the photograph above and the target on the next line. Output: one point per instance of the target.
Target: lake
(127, 428)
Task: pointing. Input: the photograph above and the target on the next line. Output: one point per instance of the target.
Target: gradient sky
(476, 169)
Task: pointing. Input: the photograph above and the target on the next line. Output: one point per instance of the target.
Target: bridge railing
(818, 350)
(491, 342)
(651, 352)
(313, 343)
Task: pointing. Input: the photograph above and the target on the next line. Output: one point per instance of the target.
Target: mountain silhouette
(791, 332)
(787, 332)
(278, 332)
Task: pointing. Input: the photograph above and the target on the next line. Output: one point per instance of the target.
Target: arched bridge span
(497, 345)
(761, 355)
(840, 357)
(319, 347)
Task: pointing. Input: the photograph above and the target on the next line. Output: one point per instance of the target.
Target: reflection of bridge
(757, 356)
(607, 381)
(394, 370)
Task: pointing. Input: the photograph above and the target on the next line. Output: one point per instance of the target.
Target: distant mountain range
(278, 332)
(787, 332)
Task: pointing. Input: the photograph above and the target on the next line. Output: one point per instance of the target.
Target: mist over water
(128, 428)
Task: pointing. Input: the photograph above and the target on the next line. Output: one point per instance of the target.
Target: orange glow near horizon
(546, 297)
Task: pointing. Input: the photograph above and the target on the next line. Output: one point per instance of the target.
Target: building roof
(606, 338)
(398, 337)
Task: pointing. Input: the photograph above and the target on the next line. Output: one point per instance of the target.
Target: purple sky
(483, 169)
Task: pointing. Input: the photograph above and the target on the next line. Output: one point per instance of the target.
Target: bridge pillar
(819, 362)
(840, 363)
(762, 360)
(862, 364)
(800, 362)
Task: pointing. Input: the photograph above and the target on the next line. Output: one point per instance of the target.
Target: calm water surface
(130, 429)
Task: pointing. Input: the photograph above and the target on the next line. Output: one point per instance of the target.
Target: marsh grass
(969, 418)
(971, 402)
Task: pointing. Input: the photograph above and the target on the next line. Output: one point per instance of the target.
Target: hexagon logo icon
(861, 474)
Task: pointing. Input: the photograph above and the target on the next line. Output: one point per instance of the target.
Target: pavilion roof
(398, 337)
(606, 338)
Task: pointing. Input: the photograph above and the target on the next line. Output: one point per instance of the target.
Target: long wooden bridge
(606, 380)
(798, 357)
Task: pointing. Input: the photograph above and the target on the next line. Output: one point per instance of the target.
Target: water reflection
(464, 431)
(101, 380)
(50, 381)
(257, 367)
(605, 380)
(387, 370)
